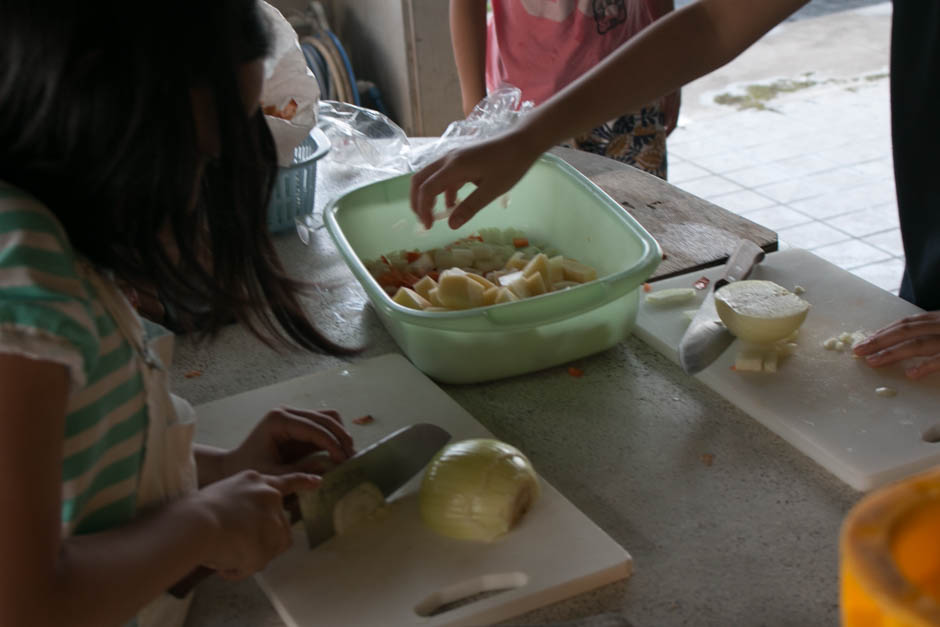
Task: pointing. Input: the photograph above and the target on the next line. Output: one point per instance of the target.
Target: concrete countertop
(727, 524)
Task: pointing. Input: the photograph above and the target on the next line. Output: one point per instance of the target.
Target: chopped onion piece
(357, 505)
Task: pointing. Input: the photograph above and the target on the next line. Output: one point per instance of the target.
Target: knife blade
(388, 464)
(706, 336)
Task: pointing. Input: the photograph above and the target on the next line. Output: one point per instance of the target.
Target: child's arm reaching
(235, 525)
(674, 50)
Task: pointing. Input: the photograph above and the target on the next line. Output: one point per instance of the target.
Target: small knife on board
(388, 464)
(706, 336)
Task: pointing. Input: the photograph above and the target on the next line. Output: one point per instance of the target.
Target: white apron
(169, 467)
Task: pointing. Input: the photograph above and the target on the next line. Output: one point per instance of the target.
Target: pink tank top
(540, 46)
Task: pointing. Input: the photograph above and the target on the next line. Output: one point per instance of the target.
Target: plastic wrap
(368, 139)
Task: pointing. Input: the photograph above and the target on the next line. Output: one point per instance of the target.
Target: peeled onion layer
(760, 312)
(477, 490)
(357, 505)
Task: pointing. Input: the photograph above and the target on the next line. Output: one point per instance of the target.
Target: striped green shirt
(50, 312)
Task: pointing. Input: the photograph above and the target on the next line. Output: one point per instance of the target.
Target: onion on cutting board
(477, 489)
(760, 312)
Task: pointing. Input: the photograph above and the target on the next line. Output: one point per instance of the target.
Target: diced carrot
(409, 279)
(193, 373)
(708, 459)
(733, 367)
(647, 287)
(364, 420)
(434, 274)
(412, 255)
(520, 242)
(476, 237)
(575, 372)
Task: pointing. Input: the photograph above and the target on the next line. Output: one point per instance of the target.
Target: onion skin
(477, 490)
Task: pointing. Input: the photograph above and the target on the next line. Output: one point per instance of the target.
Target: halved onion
(477, 489)
(760, 311)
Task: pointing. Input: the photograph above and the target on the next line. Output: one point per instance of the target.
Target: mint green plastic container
(553, 204)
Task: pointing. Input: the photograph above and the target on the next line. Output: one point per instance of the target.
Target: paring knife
(388, 464)
(707, 337)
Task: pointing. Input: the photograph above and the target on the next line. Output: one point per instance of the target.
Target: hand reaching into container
(916, 336)
(494, 166)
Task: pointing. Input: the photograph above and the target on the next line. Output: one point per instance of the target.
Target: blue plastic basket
(294, 187)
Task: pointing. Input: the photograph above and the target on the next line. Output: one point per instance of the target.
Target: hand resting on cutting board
(913, 337)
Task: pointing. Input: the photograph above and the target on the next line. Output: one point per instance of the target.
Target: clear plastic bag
(368, 139)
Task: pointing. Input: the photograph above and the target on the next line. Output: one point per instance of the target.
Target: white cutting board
(382, 572)
(822, 402)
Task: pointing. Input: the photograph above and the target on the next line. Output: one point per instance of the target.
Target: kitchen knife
(388, 464)
(707, 337)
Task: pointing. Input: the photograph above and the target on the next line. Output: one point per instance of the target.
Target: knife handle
(742, 261)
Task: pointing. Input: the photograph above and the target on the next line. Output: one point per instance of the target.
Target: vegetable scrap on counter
(708, 459)
(364, 420)
(193, 374)
(575, 372)
(702, 283)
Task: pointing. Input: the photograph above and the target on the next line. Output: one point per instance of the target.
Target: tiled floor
(815, 166)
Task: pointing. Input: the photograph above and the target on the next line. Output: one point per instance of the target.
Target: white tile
(888, 241)
(857, 152)
(867, 221)
(792, 190)
(742, 201)
(777, 217)
(759, 175)
(851, 254)
(885, 274)
(830, 181)
(727, 162)
(684, 171)
(804, 165)
(709, 186)
(877, 168)
(812, 235)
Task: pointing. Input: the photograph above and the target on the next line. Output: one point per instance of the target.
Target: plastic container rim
(651, 255)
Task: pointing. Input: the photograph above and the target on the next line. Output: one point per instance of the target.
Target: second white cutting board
(821, 401)
(393, 570)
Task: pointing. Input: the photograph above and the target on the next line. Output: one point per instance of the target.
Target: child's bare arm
(674, 50)
(468, 37)
(105, 578)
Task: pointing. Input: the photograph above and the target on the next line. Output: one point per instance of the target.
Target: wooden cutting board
(394, 570)
(821, 401)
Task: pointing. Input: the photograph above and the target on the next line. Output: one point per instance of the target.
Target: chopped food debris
(193, 373)
(799, 289)
(671, 296)
(702, 283)
(364, 420)
(285, 114)
(708, 459)
(575, 372)
(647, 287)
(520, 242)
(886, 392)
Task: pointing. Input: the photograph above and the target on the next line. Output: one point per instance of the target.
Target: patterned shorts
(638, 139)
